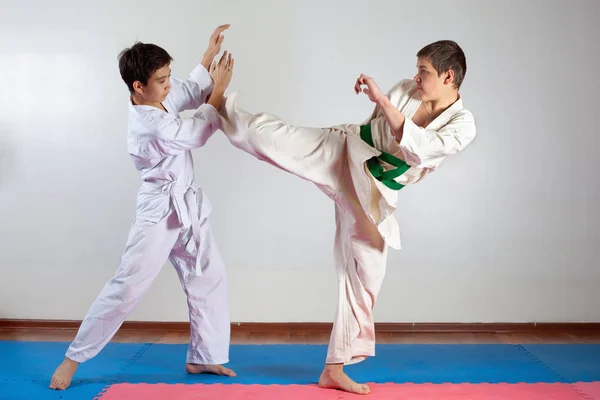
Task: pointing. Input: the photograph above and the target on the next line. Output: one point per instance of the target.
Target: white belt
(187, 212)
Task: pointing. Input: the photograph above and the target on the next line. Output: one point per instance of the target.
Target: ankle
(334, 367)
(67, 360)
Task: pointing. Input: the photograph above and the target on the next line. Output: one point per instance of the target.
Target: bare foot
(208, 369)
(63, 374)
(334, 377)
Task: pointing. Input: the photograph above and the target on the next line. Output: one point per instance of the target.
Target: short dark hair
(140, 61)
(445, 55)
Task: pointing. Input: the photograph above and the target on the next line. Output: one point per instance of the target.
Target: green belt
(375, 167)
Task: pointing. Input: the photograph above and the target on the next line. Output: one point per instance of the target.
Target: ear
(138, 87)
(449, 77)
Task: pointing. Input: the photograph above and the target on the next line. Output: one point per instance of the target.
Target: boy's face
(431, 85)
(158, 87)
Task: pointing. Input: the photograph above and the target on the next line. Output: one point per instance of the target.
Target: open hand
(214, 45)
(372, 90)
(222, 71)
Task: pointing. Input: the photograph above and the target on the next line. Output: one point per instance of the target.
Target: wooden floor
(177, 337)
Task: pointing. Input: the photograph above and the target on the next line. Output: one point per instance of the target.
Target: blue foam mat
(573, 362)
(38, 390)
(36, 360)
(302, 364)
(28, 366)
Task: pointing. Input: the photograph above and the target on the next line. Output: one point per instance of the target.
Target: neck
(436, 107)
(140, 102)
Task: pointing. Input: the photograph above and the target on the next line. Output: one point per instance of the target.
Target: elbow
(397, 133)
(425, 160)
(412, 159)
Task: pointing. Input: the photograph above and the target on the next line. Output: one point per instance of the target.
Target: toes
(364, 389)
(57, 384)
(224, 371)
(54, 383)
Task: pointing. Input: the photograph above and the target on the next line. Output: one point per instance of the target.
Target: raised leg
(317, 155)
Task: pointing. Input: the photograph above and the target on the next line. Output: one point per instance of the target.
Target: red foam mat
(591, 389)
(388, 391)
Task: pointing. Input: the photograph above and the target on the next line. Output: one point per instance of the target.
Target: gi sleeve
(423, 148)
(192, 93)
(175, 135)
(397, 90)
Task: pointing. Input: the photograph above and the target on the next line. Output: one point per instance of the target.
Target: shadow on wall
(6, 153)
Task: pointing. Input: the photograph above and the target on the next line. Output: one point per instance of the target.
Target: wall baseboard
(389, 327)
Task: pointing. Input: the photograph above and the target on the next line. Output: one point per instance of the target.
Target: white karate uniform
(334, 159)
(171, 223)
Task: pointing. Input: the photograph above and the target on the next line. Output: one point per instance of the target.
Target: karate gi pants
(325, 158)
(148, 248)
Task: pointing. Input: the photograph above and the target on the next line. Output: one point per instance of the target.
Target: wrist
(218, 89)
(216, 98)
(207, 59)
(217, 103)
(383, 102)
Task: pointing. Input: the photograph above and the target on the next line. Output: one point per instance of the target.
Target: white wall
(507, 231)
